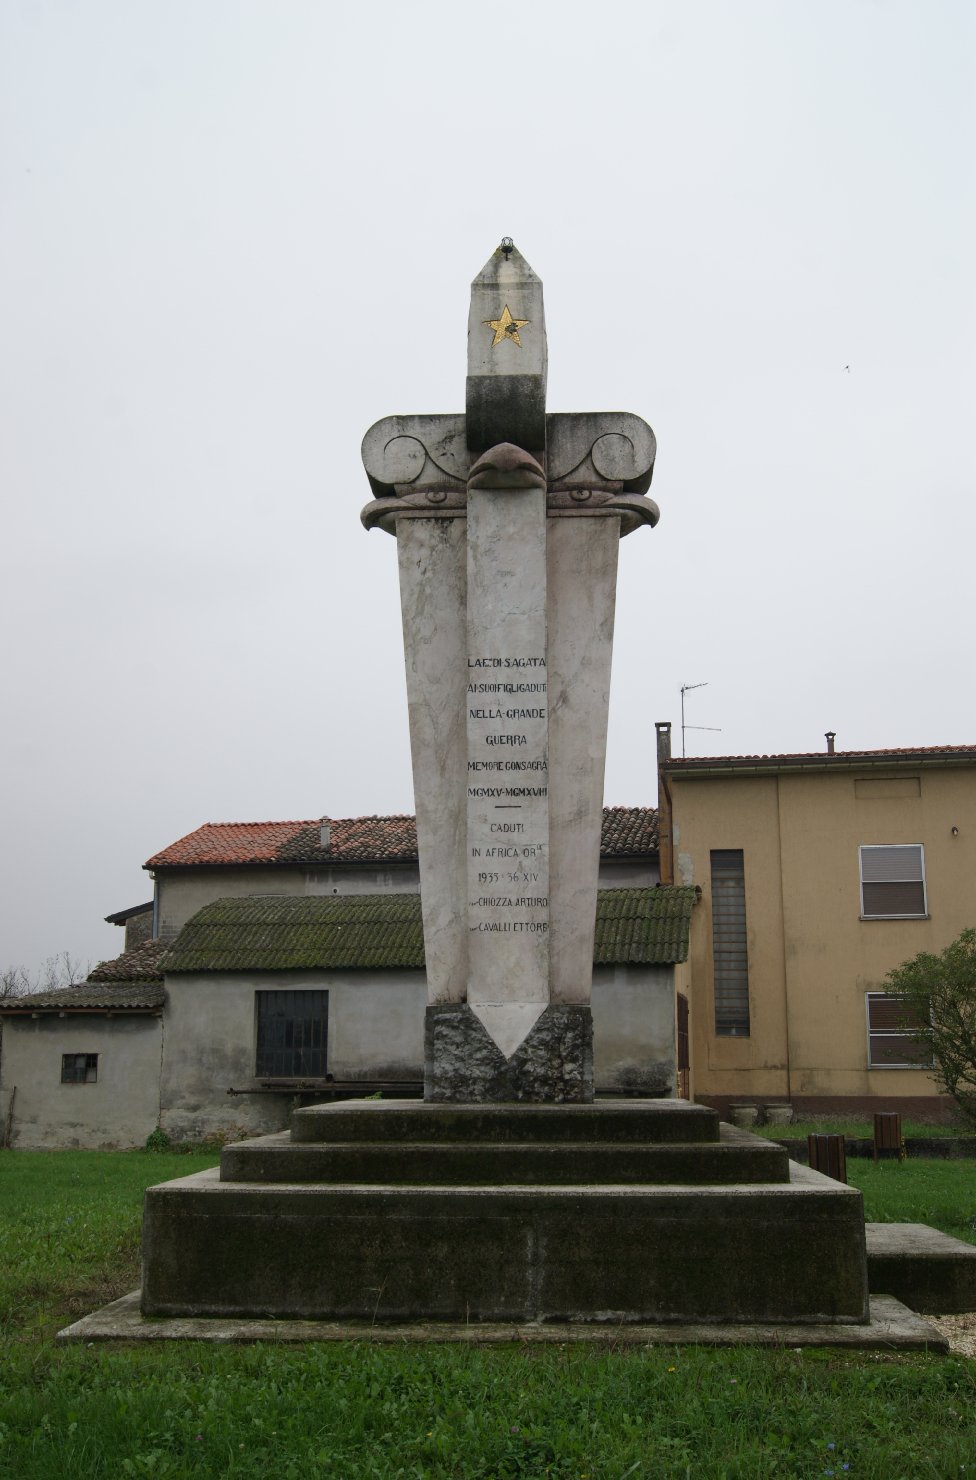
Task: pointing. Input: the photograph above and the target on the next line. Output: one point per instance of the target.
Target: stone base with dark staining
(554, 1063)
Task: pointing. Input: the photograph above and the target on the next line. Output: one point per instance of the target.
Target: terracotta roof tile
(354, 840)
(626, 830)
(141, 964)
(229, 842)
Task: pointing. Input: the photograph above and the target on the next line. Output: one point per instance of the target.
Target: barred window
(79, 1068)
(292, 1034)
(731, 964)
(893, 882)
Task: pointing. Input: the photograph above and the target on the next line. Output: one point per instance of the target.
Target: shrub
(941, 992)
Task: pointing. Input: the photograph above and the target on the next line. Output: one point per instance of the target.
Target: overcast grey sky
(235, 234)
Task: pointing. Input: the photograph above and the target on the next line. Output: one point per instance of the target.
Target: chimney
(326, 834)
(830, 736)
(663, 727)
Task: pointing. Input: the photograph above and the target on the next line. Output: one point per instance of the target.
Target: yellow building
(818, 873)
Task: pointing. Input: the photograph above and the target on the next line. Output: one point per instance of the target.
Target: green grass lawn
(69, 1224)
(941, 1193)
(859, 1130)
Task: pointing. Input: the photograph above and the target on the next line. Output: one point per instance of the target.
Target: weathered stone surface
(507, 355)
(274, 1159)
(554, 1062)
(403, 453)
(600, 449)
(582, 578)
(606, 1254)
(890, 1327)
(927, 1269)
(433, 586)
(651, 1122)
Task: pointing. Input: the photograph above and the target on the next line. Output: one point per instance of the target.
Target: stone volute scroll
(507, 520)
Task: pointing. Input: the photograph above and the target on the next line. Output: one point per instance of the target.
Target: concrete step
(928, 1271)
(778, 1252)
(738, 1158)
(890, 1327)
(628, 1121)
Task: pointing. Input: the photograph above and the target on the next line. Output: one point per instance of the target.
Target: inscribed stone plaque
(508, 809)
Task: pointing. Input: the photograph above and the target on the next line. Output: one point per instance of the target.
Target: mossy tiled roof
(643, 926)
(331, 932)
(384, 931)
(626, 831)
(89, 997)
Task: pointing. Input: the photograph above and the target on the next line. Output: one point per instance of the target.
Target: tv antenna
(685, 689)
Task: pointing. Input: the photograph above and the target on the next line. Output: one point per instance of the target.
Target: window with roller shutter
(892, 1024)
(893, 882)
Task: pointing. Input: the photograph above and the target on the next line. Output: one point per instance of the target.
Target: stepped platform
(612, 1213)
(649, 1122)
(736, 1157)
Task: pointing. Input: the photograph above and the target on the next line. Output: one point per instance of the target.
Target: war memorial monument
(509, 1196)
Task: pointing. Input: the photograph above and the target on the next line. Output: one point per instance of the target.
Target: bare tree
(62, 970)
(14, 982)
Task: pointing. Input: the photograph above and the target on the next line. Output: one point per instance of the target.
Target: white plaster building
(288, 962)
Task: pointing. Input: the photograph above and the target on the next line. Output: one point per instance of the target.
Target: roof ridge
(375, 837)
(825, 755)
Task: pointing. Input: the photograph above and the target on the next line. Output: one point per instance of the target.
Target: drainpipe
(665, 842)
(782, 916)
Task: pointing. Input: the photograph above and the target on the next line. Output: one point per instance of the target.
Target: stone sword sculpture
(507, 522)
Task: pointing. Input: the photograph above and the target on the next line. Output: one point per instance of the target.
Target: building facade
(288, 963)
(819, 874)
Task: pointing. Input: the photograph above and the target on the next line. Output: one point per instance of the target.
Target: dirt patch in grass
(92, 1296)
(959, 1331)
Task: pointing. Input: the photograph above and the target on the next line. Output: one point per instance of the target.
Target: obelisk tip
(507, 264)
(507, 358)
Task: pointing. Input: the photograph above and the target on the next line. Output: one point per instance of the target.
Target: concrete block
(792, 1252)
(274, 1159)
(929, 1271)
(890, 1327)
(651, 1121)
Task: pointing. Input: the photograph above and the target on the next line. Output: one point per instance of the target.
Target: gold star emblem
(506, 328)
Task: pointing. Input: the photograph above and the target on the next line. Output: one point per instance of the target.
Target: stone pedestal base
(553, 1064)
(389, 1211)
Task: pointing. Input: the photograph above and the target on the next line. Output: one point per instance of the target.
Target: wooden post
(827, 1154)
(887, 1134)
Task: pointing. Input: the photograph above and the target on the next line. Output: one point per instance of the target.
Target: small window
(79, 1068)
(893, 882)
(892, 1024)
(292, 1034)
(729, 953)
